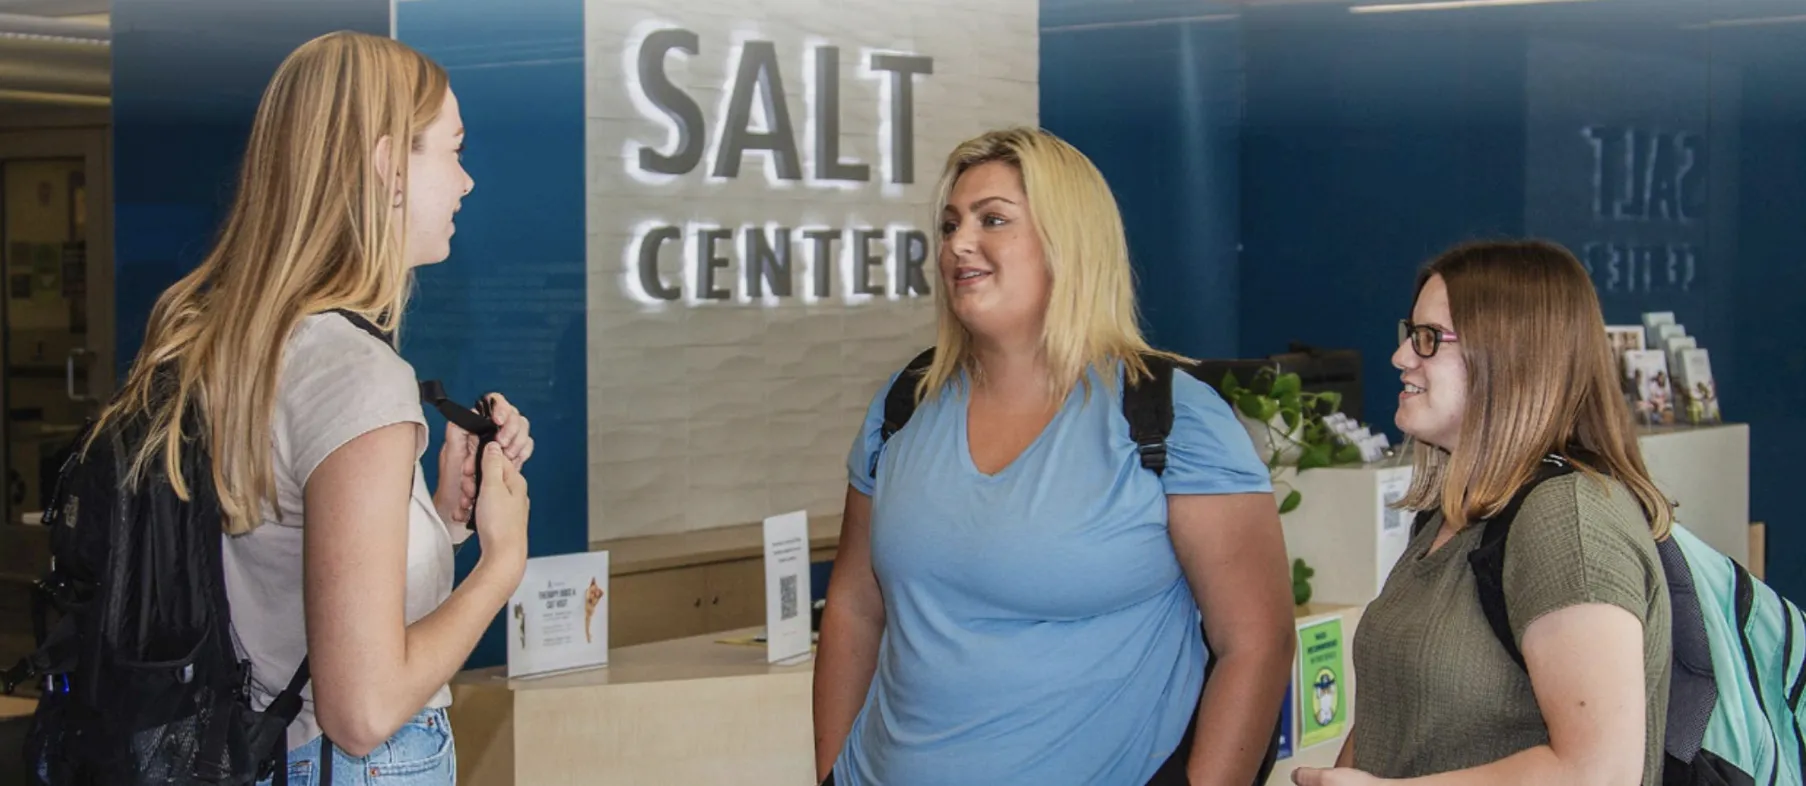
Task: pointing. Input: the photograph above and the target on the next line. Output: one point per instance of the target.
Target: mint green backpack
(1734, 698)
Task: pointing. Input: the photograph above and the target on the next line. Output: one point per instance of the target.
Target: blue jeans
(420, 754)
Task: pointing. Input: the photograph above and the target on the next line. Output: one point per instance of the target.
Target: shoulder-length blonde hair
(313, 226)
(1540, 380)
(1091, 320)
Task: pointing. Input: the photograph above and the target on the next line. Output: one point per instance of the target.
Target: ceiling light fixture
(1446, 5)
(53, 39)
(1751, 22)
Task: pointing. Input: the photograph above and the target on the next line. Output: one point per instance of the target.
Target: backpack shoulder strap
(1488, 559)
(1422, 518)
(366, 325)
(433, 391)
(1148, 406)
(900, 399)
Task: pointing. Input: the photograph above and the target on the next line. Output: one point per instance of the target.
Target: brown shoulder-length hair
(1540, 380)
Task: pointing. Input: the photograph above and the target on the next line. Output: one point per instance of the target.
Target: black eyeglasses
(1425, 339)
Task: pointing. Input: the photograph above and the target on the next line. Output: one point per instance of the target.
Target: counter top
(718, 544)
(697, 658)
(694, 658)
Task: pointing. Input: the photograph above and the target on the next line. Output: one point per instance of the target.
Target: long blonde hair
(1540, 380)
(312, 227)
(1091, 318)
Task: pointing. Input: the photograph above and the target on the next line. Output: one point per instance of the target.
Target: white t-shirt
(336, 383)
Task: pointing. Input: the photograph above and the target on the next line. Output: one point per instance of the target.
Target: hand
(1339, 776)
(512, 430)
(502, 508)
(457, 460)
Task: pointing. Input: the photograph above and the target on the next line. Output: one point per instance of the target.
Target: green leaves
(1315, 457)
(1287, 385)
(1301, 582)
(1256, 406)
(1232, 388)
(1290, 503)
(1293, 421)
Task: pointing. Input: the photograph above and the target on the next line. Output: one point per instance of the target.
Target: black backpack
(141, 677)
(1147, 405)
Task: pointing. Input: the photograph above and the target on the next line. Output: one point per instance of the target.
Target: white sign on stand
(787, 599)
(558, 618)
(1394, 523)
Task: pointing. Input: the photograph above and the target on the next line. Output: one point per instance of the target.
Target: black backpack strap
(366, 325)
(479, 423)
(900, 400)
(1488, 558)
(1148, 406)
(1417, 524)
(1692, 682)
(287, 704)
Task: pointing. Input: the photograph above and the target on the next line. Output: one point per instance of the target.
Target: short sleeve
(863, 456)
(1208, 450)
(338, 383)
(1573, 543)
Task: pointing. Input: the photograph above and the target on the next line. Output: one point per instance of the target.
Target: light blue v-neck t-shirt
(1038, 627)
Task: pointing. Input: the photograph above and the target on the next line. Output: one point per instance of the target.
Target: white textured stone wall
(713, 413)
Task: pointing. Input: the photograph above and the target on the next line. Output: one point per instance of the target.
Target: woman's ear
(382, 158)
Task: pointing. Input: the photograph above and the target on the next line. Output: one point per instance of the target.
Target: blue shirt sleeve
(869, 440)
(1208, 451)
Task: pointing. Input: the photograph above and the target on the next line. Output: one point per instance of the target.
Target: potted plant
(1287, 426)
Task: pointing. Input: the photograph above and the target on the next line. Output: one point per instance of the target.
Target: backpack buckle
(1153, 456)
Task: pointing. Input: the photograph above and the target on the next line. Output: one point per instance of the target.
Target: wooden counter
(665, 587)
(720, 544)
(691, 711)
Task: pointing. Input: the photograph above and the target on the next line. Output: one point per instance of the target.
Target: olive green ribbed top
(1436, 691)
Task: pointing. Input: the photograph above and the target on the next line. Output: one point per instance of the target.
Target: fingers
(1307, 776)
(497, 467)
(512, 428)
(517, 483)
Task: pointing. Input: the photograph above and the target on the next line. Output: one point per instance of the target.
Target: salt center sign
(783, 256)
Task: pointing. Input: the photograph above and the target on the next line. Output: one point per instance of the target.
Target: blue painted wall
(1369, 142)
(506, 311)
(1151, 92)
(1366, 151)
(1765, 372)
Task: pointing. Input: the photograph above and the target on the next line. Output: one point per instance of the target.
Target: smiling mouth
(968, 275)
(1412, 390)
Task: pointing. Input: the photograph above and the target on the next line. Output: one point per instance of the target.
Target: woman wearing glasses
(1505, 362)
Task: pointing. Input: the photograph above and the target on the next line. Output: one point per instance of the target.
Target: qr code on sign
(786, 597)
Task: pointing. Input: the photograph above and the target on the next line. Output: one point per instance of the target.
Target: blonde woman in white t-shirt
(336, 550)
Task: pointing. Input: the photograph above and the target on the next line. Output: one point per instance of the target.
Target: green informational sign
(1322, 709)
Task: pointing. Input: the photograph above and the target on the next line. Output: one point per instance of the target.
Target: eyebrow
(981, 203)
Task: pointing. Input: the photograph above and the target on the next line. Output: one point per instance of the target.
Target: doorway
(56, 297)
